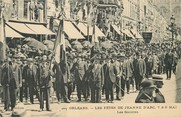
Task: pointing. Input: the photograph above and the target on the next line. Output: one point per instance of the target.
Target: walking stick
(119, 86)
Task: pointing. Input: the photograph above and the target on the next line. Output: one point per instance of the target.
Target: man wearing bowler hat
(118, 66)
(30, 79)
(150, 92)
(9, 85)
(109, 79)
(65, 78)
(139, 70)
(44, 84)
(146, 94)
(126, 74)
(17, 75)
(96, 76)
(79, 69)
(168, 61)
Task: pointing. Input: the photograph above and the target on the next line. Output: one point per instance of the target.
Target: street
(48, 45)
(168, 90)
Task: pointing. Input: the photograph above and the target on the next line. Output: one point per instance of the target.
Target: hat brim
(159, 80)
(151, 86)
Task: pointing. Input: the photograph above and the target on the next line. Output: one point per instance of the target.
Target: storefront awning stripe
(12, 33)
(98, 32)
(71, 31)
(137, 35)
(116, 29)
(21, 28)
(82, 27)
(128, 33)
(40, 29)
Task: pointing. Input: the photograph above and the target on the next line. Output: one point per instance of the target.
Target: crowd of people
(91, 73)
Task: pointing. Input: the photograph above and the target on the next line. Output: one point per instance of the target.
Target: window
(177, 10)
(163, 10)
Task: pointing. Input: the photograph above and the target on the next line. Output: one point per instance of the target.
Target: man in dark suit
(126, 75)
(65, 73)
(79, 69)
(168, 61)
(9, 85)
(58, 77)
(70, 62)
(118, 65)
(175, 60)
(139, 70)
(95, 49)
(110, 79)
(85, 80)
(30, 77)
(149, 65)
(17, 75)
(45, 83)
(96, 75)
(22, 89)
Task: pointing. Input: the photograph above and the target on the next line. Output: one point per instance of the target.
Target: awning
(116, 29)
(137, 35)
(106, 5)
(21, 27)
(82, 27)
(12, 33)
(71, 31)
(40, 29)
(98, 32)
(128, 33)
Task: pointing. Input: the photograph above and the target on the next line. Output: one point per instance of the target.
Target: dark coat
(127, 69)
(149, 65)
(57, 73)
(110, 73)
(139, 67)
(30, 79)
(159, 97)
(72, 79)
(168, 60)
(7, 77)
(17, 74)
(44, 79)
(79, 69)
(64, 71)
(144, 98)
(97, 76)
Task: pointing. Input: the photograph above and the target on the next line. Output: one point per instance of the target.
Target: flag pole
(87, 21)
(2, 36)
(59, 46)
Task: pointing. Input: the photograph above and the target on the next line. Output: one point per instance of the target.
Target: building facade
(167, 8)
(29, 10)
(143, 16)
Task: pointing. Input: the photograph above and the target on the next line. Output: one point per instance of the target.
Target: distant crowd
(91, 72)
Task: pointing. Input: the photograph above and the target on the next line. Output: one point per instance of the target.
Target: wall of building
(167, 8)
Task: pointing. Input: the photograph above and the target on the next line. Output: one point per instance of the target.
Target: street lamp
(172, 26)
